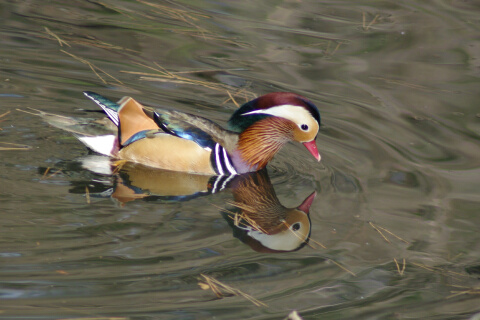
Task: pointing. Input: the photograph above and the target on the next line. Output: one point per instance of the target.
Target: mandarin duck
(184, 142)
(259, 219)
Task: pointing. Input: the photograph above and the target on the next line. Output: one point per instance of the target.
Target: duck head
(267, 123)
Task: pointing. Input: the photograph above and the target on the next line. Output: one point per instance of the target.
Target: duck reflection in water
(256, 215)
(261, 221)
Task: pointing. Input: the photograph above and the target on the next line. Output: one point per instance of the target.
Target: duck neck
(259, 143)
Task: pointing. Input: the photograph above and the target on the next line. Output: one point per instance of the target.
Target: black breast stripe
(220, 182)
(221, 162)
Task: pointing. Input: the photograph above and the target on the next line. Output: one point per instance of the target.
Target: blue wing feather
(140, 135)
(183, 129)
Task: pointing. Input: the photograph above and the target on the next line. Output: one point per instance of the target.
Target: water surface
(397, 87)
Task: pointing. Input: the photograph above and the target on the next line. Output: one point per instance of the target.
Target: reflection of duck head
(262, 222)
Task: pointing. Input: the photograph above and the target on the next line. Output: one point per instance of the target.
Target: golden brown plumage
(133, 119)
(262, 140)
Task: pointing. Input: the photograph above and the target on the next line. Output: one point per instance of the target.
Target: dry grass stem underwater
(87, 194)
(462, 292)
(47, 171)
(96, 318)
(342, 267)
(93, 67)
(174, 13)
(190, 18)
(334, 50)
(9, 146)
(101, 44)
(243, 92)
(14, 146)
(237, 218)
(163, 75)
(217, 287)
(380, 229)
(3, 115)
(402, 270)
(440, 271)
(411, 85)
(60, 41)
(329, 44)
(87, 42)
(365, 26)
(233, 99)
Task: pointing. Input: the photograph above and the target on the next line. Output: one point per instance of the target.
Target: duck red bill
(305, 206)
(312, 147)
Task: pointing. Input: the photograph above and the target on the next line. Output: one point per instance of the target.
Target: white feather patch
(286, 240)
(100, 144)
(98, 164)
(297, 114)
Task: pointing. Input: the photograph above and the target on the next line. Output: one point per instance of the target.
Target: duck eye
(304, 127)
(296, 226)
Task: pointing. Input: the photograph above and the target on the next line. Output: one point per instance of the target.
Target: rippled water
(397, 86)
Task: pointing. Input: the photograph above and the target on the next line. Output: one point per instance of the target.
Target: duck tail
(111, 108)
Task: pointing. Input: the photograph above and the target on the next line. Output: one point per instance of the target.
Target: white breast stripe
(218, 180)
(217, 159)
(214, 189)
(227, 180)
(227, 162)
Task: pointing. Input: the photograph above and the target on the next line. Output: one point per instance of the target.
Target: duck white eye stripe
(297, 114)
(217, 159)
(227, 162)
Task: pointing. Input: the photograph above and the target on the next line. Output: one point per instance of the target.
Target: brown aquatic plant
(440, 270)
(14, 146)
(380, 229)
(93, 67)
(374, 20)
(47, 171)
(343, 268)
(87, 195)
(163, 75)
(467, 290)
(400, 270)
(217, 287)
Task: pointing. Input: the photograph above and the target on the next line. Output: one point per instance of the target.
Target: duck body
(184, 142)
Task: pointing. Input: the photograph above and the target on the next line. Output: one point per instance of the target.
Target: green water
(397, 84)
